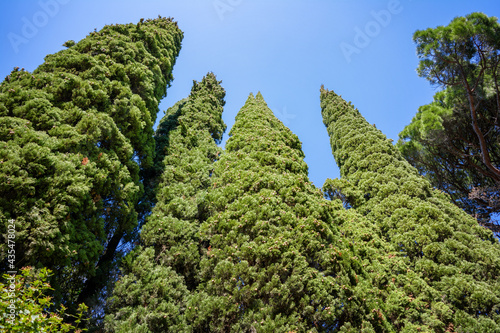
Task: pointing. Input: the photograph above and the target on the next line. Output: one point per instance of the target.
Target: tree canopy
(238, 239)
(455, 261)
(151, 295)
(454, 141)
(75, 135)
(274, 260)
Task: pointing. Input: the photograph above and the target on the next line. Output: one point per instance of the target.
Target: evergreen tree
(446, 248)
(388, 296)
(151, 296)
(75, 137)
(274, 261)
(442, 145)
(454, 141)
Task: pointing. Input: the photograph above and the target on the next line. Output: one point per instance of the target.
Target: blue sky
(286, 49)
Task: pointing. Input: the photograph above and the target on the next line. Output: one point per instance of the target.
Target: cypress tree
(446, 248)
(387, 295)
(274, 260)
(158, 275)
(75, 138)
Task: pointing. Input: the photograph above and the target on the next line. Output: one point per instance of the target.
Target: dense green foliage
(456, 263)
(75, 137)
(454, 141)
(240, 240)
(274, 261)
(151, 296)
(24, 303)
(388, 295)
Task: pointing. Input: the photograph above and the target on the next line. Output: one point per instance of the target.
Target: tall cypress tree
(75, 136)
(446, 248)
(387, 296)
(274, 261)
(151, 296)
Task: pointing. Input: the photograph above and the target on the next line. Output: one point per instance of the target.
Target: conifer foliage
(226, 241)
(446, 248)
(274, 261)
(74, 137)
(151, 296)
(387, 295)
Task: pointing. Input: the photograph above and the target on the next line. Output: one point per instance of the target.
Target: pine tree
(75, 137)
(446, 248)
(158, 275)
(274, 260)
(453, 141)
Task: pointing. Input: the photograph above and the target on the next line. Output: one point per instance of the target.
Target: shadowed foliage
(75, 138)
(151, 295)
(454, 141)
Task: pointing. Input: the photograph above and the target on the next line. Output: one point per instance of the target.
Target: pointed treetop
(446, 248)
(268, 266)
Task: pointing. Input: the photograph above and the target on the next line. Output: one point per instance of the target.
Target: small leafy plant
(26, 307)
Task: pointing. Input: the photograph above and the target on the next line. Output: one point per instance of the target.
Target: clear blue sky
(284, 48)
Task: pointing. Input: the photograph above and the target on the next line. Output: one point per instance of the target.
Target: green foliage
(242, 241)
(462, 52)
(273, 261)
(150, 297)
(454, 141)
(453, 262)
(75, 138)
(26, 307)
